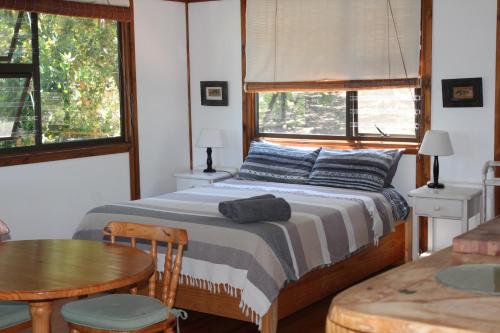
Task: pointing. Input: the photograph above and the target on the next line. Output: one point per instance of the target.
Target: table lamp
(209, 138)
(436, 143)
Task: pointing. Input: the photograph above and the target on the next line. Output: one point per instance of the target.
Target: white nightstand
(196, 178)
(451, 203)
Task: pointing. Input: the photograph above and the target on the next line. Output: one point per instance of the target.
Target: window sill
(411, 148)
(10, 159)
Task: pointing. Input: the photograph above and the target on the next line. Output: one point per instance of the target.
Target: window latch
(381, 132)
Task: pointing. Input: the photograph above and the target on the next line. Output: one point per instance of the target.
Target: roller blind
(296, 40)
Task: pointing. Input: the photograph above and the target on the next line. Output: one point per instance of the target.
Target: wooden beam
(423, 168)
(45, 155)
(249, 130)
(319, 86)
(189, 89)
(496, 152)
(69, 8)
(130, 103)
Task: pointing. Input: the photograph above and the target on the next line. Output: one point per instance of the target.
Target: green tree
(79, 78)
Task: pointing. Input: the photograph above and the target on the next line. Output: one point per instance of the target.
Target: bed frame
(393, 249)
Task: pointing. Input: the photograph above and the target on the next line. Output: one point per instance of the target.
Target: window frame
(43, 152)
(350, 115)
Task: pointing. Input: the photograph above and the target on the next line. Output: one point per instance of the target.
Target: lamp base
(435, 185)
(209, 161)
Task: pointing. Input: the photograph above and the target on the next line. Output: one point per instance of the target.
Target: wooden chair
(132, 312)
(14, 316)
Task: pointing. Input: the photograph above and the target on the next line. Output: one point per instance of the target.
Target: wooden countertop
(410, 299)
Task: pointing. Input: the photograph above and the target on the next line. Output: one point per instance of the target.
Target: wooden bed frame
(393, 249)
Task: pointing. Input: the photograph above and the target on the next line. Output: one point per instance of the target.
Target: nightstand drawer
(438, 207)
(184, 183)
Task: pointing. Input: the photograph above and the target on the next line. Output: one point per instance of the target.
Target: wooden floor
(311, 320)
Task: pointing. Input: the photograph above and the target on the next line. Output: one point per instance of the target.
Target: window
(375, 113)
(307, 84)
(60, 82)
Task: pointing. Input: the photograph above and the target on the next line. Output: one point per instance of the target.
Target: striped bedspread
(327, 226)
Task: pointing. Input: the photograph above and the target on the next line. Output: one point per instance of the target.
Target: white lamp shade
(209, 137)
(436, 143)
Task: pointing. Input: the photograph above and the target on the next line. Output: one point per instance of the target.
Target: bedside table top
(452, 192)
(199, 174)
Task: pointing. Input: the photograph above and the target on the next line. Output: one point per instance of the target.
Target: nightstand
(196, 178)
(450, 203)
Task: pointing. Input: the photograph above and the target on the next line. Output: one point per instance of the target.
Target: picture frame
(462, 93)
(214, 93)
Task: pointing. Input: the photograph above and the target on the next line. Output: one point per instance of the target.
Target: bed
(264, 271)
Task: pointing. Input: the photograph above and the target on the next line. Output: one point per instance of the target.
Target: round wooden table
(40, 271)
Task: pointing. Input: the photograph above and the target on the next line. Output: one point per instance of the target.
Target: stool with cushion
(131, 312)
(14, 316)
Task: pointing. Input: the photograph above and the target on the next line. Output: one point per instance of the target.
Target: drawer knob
(437, 208)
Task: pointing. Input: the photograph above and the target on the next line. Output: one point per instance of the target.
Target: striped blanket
(327, 226)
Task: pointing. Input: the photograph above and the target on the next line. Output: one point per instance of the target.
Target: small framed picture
(462, 93)
(214, 93)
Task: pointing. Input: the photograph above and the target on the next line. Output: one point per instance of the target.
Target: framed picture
(462, 93)
(214, 93)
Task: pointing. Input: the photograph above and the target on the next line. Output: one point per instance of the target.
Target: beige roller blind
(297, 40)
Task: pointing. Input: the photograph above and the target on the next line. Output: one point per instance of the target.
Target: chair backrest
(155, 234)
(489, 180)
(4, 230)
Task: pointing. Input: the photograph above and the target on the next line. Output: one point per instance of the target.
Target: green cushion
(13, 313)
(120, 312)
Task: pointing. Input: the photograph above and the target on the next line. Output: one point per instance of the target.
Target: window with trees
(359, 114)
(60, 81)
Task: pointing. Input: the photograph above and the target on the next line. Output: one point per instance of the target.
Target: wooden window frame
(411, 146)
(32, 72)
(128, 142)
(352, 133)
(496, 149)
(70, 8)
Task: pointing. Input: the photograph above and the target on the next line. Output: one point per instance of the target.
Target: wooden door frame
(423, 165)
(496, 140)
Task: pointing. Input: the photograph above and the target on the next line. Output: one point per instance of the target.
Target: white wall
(464, 45)
(161, 60)
(405, 178)
(48, 200)
(215, 53)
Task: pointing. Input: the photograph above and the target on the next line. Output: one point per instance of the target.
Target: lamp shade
(436, 143)
(209, 137)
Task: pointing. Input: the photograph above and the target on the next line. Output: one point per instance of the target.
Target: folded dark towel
(226, 208)
(261, 208)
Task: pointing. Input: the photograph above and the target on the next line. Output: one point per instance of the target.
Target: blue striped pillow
(273, 163)
(353, 169)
